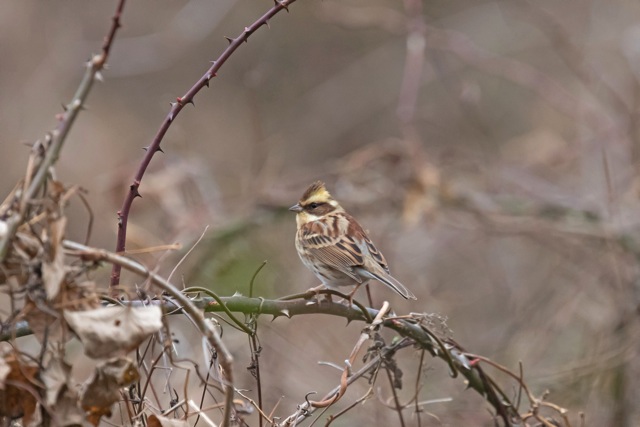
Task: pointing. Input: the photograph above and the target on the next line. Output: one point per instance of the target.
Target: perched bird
(332, 244)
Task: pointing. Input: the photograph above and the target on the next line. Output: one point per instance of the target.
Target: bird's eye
(314, 205)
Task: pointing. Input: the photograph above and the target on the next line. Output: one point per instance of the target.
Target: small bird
(332, 244)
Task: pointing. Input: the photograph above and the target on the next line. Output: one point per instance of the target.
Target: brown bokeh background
(491, 148)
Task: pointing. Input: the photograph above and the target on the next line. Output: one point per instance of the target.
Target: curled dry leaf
(102, 390)
(67, 410)
(42, 323)
(44, 317)
(55, 376)
(109, 331)
(61, 394)
(53, 269)
(4, 229)
(15, 399)
(158, 421)
(4, 371)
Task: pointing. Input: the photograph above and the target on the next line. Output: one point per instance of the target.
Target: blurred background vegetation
(490, 147)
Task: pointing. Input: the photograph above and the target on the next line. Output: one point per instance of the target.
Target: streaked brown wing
(331, 247)
(356, 230)
(375, 253)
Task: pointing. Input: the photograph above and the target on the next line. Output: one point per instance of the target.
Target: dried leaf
(15, 401)
(79, 297)
(55, 377)
(33, 418)
(44, 319)
(68, 411)
(102, 390)
(62, 394)
(109, 331)
(42, 323)
(158, 421)
(4, 371)
(53, 270)
(4, 229)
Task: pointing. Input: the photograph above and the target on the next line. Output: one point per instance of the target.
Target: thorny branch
(414, 328)
(176, 108)
(226, 360)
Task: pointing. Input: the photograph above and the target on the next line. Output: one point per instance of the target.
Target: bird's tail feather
(390, 281)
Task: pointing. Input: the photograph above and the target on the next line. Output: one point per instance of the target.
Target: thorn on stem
(208, 77)
(134, 190)
(283, 4)
(229, 39)
(159, 149)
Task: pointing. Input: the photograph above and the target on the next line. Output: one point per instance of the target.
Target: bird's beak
(296, 208)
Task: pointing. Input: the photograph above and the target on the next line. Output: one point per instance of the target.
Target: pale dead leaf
(4, 229)
(53, 270)
(4, 371)
(109, 331)
(55, 377)
(43, 324)
(62, 394)
(68, 411)
(72, 297)
(158, 421)
(102, 390)
(78, 297)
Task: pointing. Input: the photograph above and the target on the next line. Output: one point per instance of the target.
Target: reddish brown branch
(108, 40)
(176, 108)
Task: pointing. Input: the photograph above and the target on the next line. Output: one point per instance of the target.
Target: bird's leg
(317, 290)
(351, 295)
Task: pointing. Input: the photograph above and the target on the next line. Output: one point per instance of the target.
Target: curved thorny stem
(176, 108)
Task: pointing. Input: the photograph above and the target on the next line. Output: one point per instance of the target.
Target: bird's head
(315, 203)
